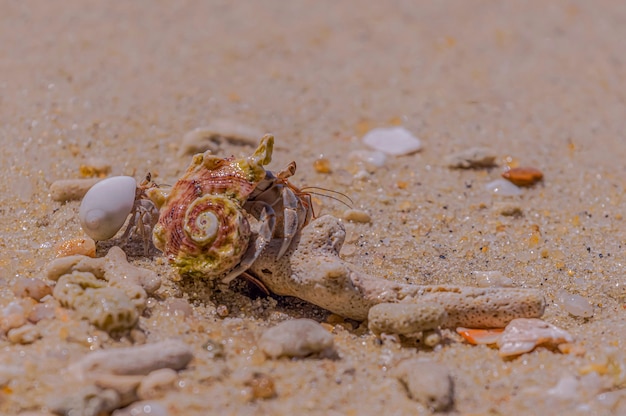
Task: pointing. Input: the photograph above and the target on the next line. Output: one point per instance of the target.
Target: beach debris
(295, 338)
(322, 165)
(116, 377)
(95, 168)
(212, 137)
(313, 271)
(106, 206)
(85, 246)
(427, 382)
(107, 308)
(31, 287)
(574, 304)
(357, 215)
(405, 318)
(472, 158)
(523, 176)
(492, 278)
(109, 292)
(503, 187)
(396, 141)
(65, 190)
(480, 336)
(523, 335)
(136, 360)
(114, 268)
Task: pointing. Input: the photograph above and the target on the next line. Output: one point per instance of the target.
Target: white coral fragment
(523, 335)
(109, 292)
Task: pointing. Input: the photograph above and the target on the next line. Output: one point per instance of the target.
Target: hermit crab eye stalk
(106, 206)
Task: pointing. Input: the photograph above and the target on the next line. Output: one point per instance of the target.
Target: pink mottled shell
(202, 227)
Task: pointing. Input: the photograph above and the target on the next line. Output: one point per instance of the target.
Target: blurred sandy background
(542, 83)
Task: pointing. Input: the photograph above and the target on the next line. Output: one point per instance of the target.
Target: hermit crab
(204, 223)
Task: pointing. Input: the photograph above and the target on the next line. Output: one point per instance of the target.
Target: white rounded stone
(503, 187)
(395, 141)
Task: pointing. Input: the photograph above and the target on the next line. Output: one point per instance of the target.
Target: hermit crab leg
(267, 218)
(292, 222)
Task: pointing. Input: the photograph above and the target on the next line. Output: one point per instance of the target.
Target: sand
(541, 85)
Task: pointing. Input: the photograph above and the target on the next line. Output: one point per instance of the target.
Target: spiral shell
(203, 228)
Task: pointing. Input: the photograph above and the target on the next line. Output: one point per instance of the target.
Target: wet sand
(542, 85)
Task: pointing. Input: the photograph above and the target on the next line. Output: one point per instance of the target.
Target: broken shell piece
(523, 176)
(81, 245)
(480, 336)
(524, 334)
(503, 188)
(395, 141)
(575, 304)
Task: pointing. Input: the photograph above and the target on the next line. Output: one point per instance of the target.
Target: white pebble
(357, 215)
(493, 278)
(574, 304)
(295, 338)
(427, 382)
(395, 141)
(503, 187)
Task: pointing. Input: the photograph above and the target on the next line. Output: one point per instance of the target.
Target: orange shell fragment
(523, 176)
(81, 245)
(480, 336)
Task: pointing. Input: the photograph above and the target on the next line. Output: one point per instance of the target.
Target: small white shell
(106, 206)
